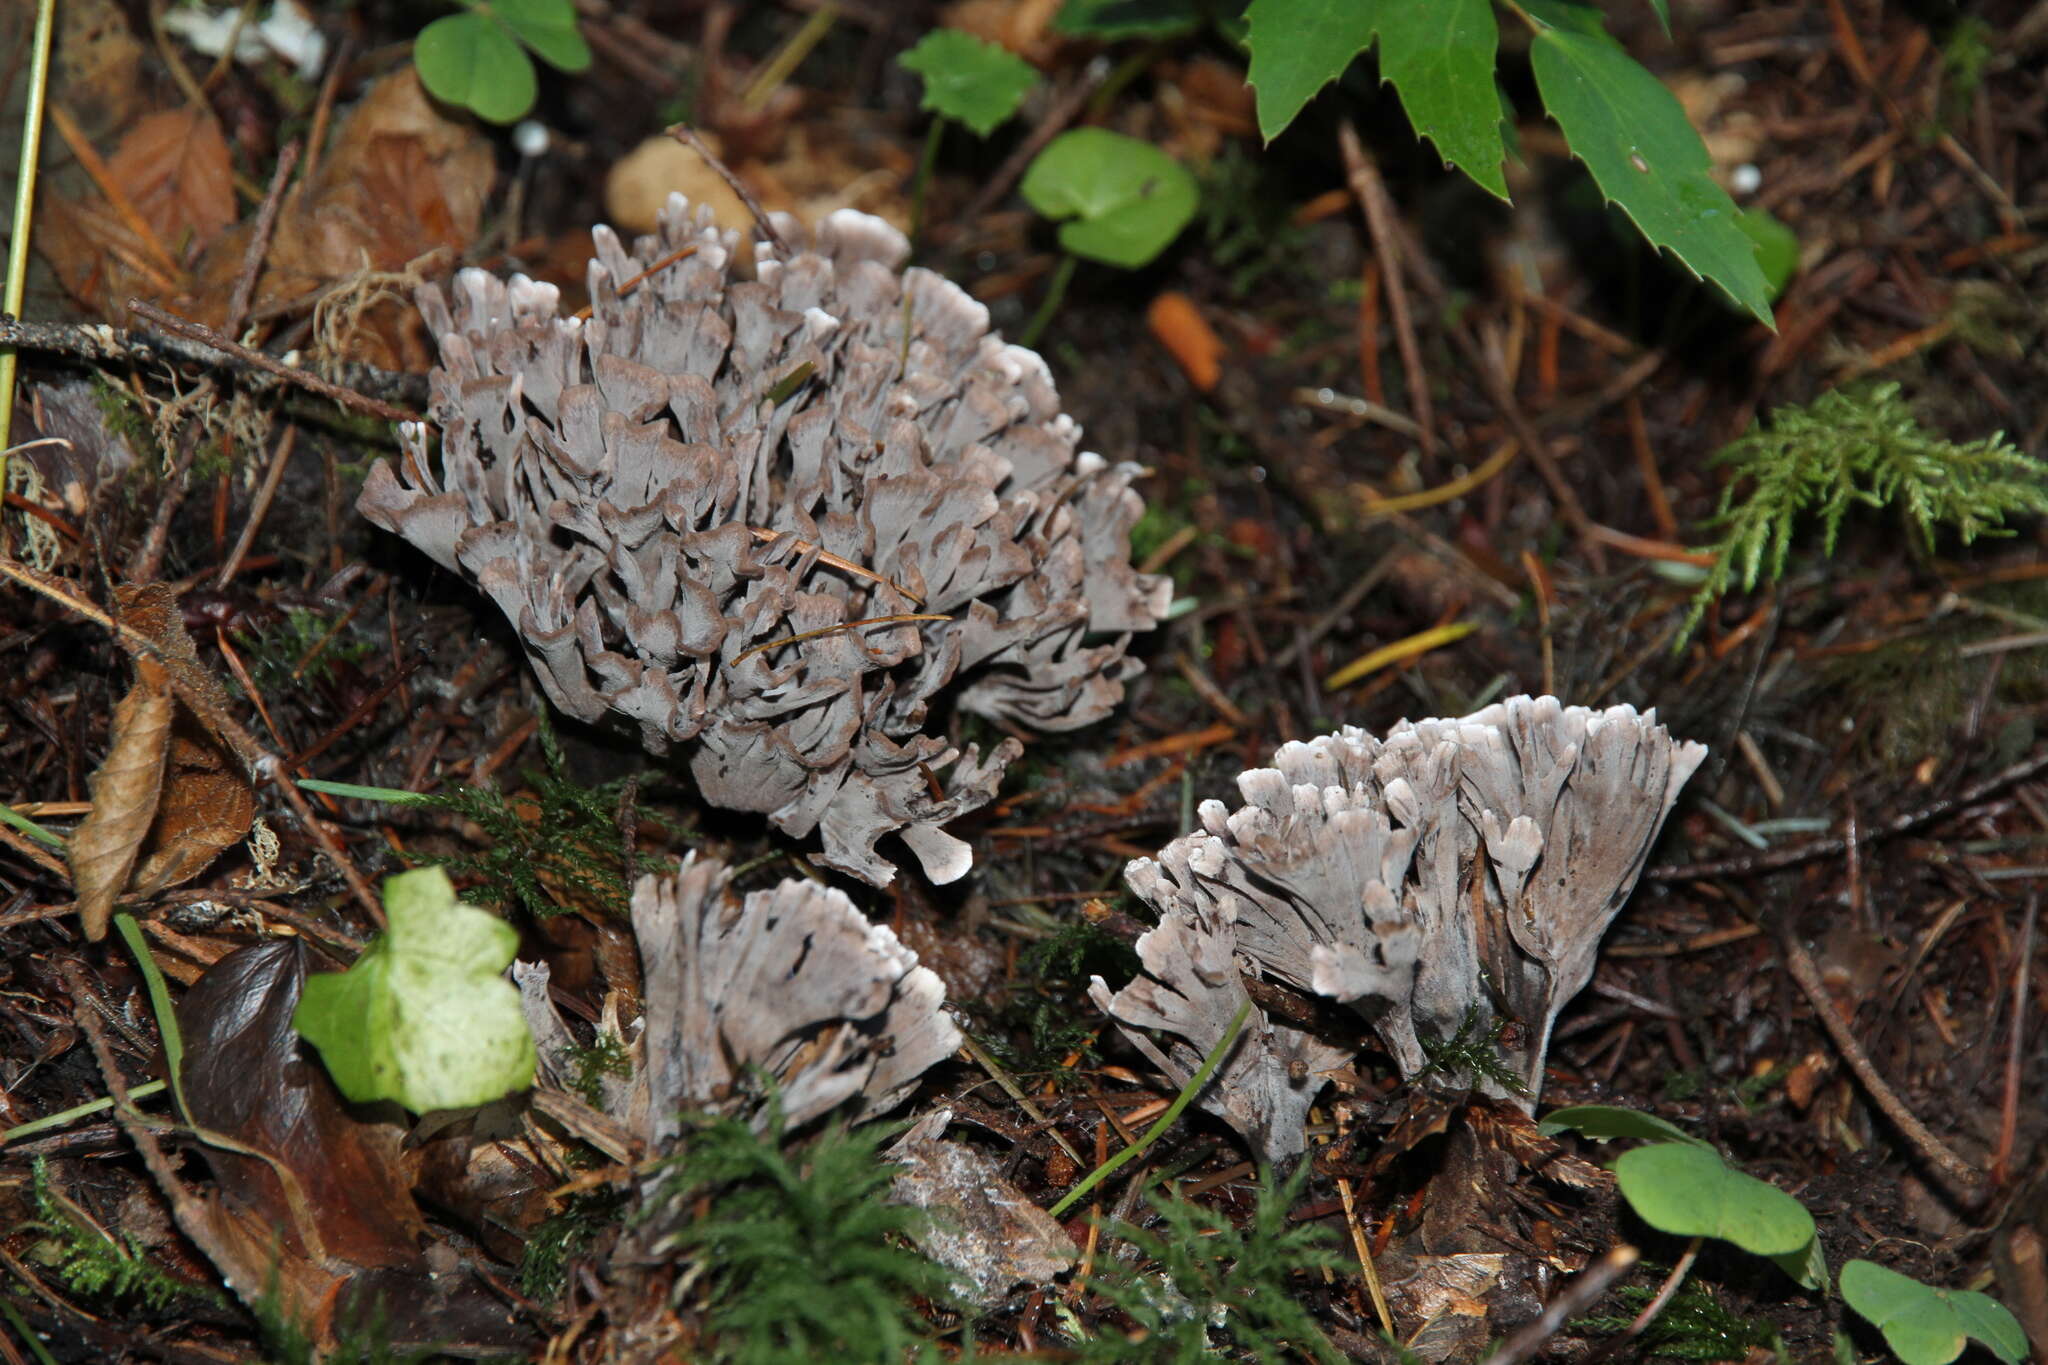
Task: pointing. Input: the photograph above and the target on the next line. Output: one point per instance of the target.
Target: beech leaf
(125, 791)
(425, 1016)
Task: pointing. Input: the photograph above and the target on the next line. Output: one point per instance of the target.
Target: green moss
(1693, 1326)
(561, 1238)
(94, 1264)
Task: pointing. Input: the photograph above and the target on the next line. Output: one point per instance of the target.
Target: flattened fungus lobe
(782, 576)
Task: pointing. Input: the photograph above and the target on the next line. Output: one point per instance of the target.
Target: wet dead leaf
(125, 788)
(992, 1235)
(248, 1075)
(176, 170)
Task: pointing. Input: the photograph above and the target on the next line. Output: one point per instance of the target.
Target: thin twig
(1965, 1179)
(1651, 1310)
(259, 509)
(185, 328)
(685, 134)
(1063, 112)
(259, 241)
(101, 344)
(1366, 188)
(2008, 1125)
(1911, 820)
(1573, 1300)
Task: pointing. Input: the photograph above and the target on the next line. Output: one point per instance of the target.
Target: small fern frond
(1852, 448)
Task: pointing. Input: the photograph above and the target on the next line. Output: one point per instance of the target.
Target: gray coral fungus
(1456, 871)
(775, 518)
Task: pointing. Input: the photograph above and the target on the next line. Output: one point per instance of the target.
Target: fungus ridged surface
(1458, 873)
(776, 518)
(794, 982)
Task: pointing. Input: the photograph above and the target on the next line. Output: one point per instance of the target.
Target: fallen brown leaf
(247, 1076)
(176, 170)
(125, 789)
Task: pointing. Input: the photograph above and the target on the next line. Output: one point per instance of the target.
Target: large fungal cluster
(1456, 873)
(775, 518)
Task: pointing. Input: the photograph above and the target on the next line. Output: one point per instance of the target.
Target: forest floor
(1865, 836)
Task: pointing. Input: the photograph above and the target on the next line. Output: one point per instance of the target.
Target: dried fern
(1849, 448)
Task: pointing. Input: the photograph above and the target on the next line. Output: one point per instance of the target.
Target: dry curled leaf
(125, 788)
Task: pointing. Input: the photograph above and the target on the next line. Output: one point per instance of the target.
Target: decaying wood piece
(1455, 873)
(794, 982)
(815, 461)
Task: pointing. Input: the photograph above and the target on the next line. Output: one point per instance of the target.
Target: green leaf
(425, 1016)
(470, 60)
(1777, 248)
(1439, 55)
(965, 79)
(1108, 20)
(1927, 1326)
(1663, 9)
(1604, 1121)
(1686, 1189)
(1125, 198)
(1633, 136)
(546, 26)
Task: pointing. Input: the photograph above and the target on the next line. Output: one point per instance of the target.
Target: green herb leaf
(1126, 198)
(1439, 55)
(1108, 20)
(965, 79)
(1686, 1189)
(548, 27)
(1633, 136)
(1663, 8)
(425, 1016)
(1777, 248)
(1604, 1121)
(472, 61)
(1927, 1326)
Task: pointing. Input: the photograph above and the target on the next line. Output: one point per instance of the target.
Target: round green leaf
(546, 26)
(1604, 1121)
(1125, 198)
(965, 79)
(469, 60)
(425, 1016)
(1685, 1189)
(1927, 1326)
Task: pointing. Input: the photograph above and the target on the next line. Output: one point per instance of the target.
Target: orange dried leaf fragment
(1187, 336)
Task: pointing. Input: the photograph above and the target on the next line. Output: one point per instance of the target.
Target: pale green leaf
(548, 27)
(1117, 199)
(1928, 1326)
(1689, 1191)
(967, 80)
(1633, 136)
(470, 60)
(1777, 248)
(425, 1016)
(1602, 1122)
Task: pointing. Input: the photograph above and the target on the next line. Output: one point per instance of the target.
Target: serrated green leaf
(1604, 1121)
(1632, 134)
(1777, 248)
(1439, 55)
(1927, 1326)
(1122, 200)
(425, 1016)
(965, 79)
(546, 26)
(1687, 1190)
(475, 62)
(1109, 20)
